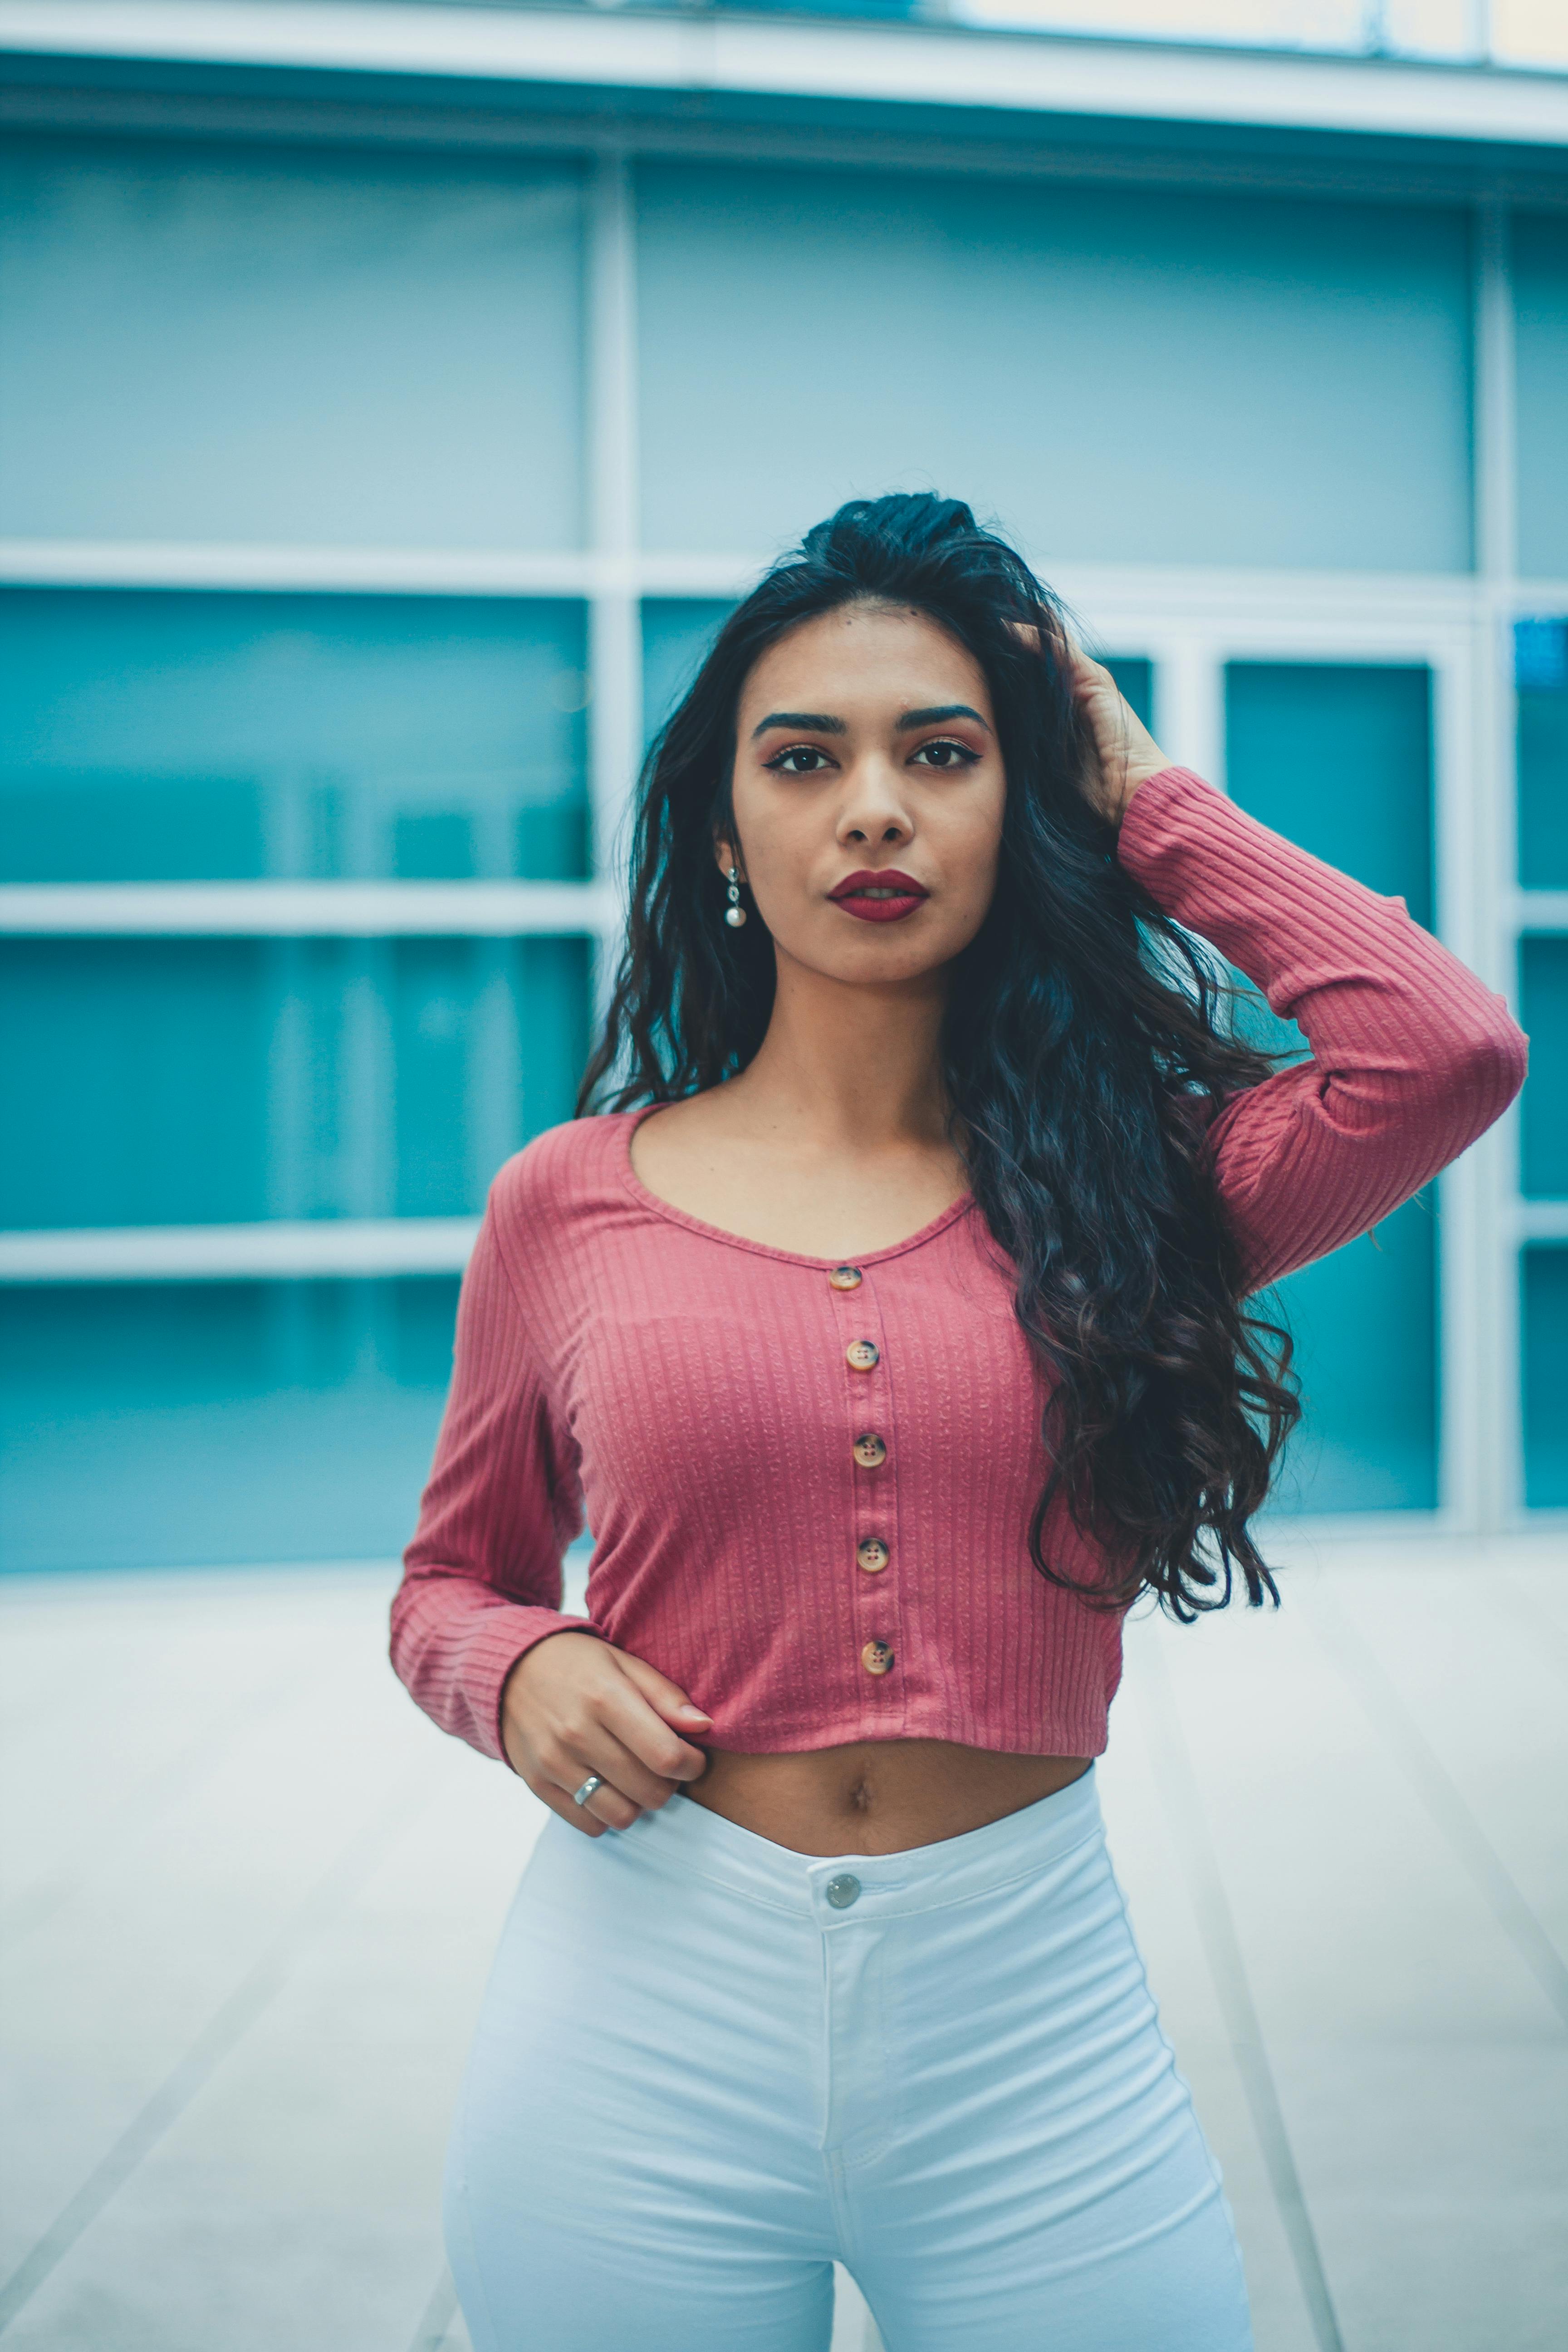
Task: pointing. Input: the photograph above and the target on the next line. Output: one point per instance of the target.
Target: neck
(846, 1068)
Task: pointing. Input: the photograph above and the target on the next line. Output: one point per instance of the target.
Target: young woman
(890, 1327)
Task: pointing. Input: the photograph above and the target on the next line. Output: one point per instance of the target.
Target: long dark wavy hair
(1087, 1042)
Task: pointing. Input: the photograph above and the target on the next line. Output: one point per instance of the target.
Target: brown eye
(809, 759)
(946, 754)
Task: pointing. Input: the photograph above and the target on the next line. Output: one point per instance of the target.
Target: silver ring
(581, 1796)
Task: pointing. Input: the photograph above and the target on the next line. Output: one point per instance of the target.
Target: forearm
(1413, 1056)
(455, 1639)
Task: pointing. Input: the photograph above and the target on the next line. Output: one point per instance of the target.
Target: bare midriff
(874, 1796)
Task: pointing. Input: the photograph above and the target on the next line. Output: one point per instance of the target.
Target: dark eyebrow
(935, 716)
(815, 722)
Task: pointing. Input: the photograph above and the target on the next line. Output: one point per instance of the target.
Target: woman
(889, 1323)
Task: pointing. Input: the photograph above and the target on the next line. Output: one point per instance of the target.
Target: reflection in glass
(178, 737)
(216, 1081)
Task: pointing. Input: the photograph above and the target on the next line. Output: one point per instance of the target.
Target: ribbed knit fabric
(692, 1390)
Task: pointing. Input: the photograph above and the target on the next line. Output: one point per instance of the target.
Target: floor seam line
(1227, 1968)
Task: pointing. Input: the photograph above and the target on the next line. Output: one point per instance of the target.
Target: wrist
(1131, 783)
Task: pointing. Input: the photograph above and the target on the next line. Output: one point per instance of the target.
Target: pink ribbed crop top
(810, 1495)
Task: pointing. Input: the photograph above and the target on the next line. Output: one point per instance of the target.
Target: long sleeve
(482, 1577)
(1412, 1060)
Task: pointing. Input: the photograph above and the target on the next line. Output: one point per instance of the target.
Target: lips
(884, 895)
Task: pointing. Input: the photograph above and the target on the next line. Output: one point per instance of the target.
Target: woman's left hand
(1126, 754)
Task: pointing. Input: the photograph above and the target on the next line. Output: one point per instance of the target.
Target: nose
(873, 810)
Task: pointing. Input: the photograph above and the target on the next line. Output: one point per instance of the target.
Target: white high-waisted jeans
(706, 2067)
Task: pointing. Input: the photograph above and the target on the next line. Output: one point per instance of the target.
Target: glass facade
(326, 649)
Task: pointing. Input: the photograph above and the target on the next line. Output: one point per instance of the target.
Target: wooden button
(861, 1356)
(846, 1277)
(875, 1657)
(870, 1451)
(873, 1555)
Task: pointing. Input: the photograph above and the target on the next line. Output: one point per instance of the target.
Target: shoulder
(567, 1173)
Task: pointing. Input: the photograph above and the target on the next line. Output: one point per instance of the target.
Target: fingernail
(687, 1708)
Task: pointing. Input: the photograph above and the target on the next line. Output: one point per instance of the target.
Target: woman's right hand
(574, 1704)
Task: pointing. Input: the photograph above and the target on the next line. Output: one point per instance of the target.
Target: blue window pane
(1364, 1319)
(171, 737)
(1310, 407)
(1544, 1282)
(1542, 739)
(490, 1041)
(198, 1423)
(1541, 312)
(196, 1081)
(1544, 1106)
(1338, 758)
(288, 344)
(1135, 676)
(677, 632)
(134, 1073)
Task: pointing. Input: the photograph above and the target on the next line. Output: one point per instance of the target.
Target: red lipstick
(885, 896)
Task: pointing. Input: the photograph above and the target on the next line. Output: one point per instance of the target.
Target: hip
(728, 2065)
(852, 1992)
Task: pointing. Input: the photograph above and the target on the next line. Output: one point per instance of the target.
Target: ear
(727, 855)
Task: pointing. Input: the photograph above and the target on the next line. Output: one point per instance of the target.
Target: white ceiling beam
(811, 58)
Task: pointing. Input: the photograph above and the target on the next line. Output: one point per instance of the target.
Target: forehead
(861, 658)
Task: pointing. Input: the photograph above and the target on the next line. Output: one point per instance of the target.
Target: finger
(610, 1807)
(559, 1801)
(667, 1698)
(654, 1743)
(621, 1768)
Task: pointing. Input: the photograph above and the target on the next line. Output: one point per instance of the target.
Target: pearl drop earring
(734, 913)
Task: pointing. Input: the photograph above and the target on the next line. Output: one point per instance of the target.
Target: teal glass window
(136, 1076)
(1544, 1285)
(677, 632)
(1540, 362)
(1338, 758)
(198, 1423)
(1543, 1105)
(170, 737)
(301, 346)
(1135, 676)
(1540, 683)
(808, 336)
(214, 1081)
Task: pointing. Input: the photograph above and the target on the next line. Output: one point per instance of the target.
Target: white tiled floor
(250, 1897)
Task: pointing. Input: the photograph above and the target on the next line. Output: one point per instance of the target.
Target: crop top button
(870, 1451)
(861, 1356)
(875, 1657)
(846, 1277)
(873, 1555)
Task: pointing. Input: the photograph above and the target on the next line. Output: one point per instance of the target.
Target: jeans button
(841, 1891)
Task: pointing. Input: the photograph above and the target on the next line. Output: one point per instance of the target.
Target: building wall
(361, 510)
